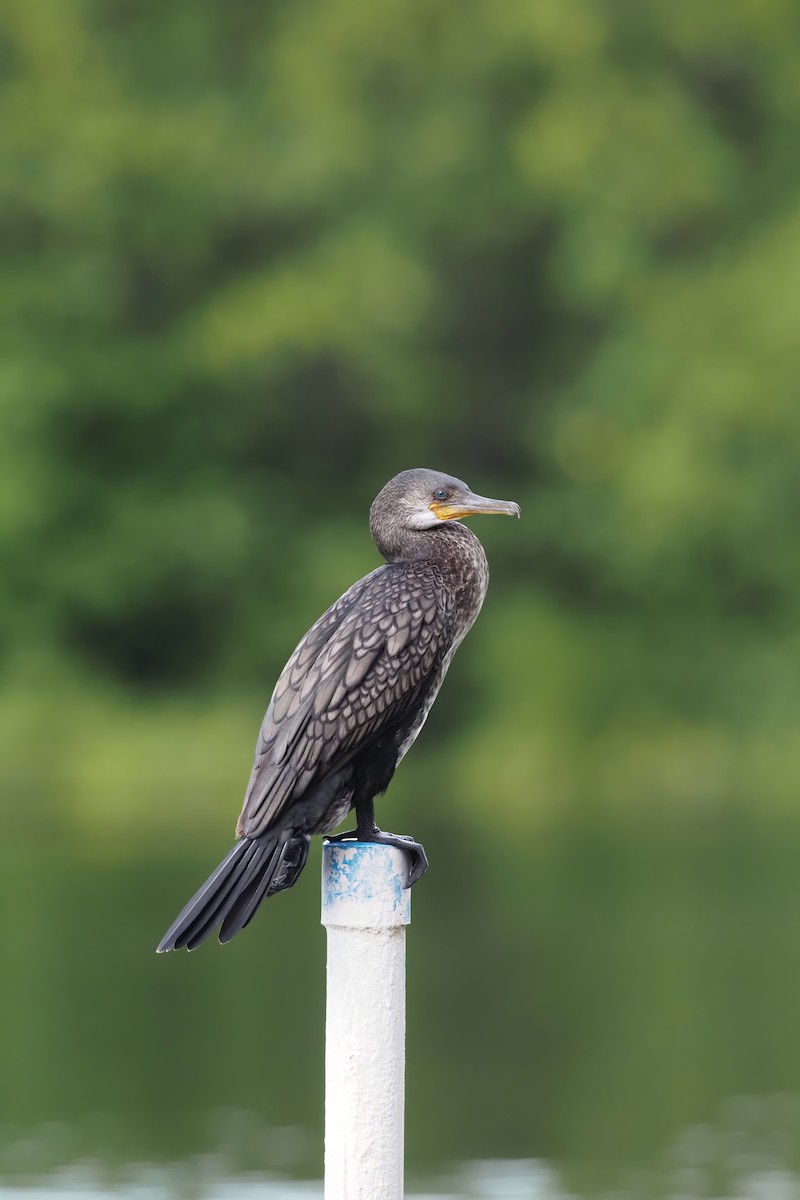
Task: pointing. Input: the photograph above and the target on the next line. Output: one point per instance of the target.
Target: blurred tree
(257, 259)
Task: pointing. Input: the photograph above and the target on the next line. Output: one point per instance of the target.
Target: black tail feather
(205, 921)
(231, 895)
(246, 904)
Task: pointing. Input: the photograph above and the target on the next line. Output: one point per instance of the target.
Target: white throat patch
(422, 518)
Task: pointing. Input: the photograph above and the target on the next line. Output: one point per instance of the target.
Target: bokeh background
(255, 259)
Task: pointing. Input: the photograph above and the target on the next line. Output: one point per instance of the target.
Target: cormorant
(352, 699)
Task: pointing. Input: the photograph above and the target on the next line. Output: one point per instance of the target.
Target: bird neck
(451, 542)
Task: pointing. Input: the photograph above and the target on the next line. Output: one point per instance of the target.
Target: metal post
(365, 909)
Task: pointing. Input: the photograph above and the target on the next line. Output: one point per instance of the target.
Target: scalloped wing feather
(355, 672)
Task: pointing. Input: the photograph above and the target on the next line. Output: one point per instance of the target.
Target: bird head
(420, 499)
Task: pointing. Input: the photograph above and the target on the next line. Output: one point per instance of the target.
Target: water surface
(611, 1009)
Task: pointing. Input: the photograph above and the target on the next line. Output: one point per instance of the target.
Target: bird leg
(367, 831)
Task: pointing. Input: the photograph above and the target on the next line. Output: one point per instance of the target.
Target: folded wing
(353, 675)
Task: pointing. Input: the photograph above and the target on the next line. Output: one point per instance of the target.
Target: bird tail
(255, 868)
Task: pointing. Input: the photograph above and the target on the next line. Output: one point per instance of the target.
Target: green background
(255, 259)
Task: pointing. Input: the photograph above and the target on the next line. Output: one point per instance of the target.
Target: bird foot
(402, 841)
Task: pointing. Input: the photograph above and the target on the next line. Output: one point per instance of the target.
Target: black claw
(419, 862)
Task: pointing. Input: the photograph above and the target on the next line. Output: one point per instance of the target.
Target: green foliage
(257, 258)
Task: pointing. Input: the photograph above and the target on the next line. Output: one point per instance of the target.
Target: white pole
(365, 909)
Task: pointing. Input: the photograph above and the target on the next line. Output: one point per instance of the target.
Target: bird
(352, 699)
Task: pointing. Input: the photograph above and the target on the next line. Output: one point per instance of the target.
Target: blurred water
(609, 1012)
(476, 1181)
(704, 1163)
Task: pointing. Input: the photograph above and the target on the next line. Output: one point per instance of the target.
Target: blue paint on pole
(364, 877)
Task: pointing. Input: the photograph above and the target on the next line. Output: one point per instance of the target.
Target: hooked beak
(473, 506)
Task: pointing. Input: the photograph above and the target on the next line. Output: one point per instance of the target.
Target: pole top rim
(364, 886)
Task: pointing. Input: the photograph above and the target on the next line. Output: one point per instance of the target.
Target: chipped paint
(363, 886)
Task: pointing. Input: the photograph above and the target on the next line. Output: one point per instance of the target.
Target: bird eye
(440, 494)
